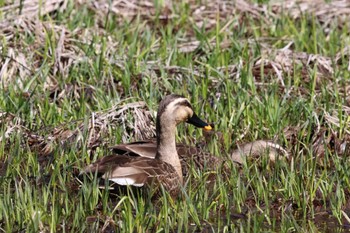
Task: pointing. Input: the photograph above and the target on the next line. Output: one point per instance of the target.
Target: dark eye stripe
(184, 103)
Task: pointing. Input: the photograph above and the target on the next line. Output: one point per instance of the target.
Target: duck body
(161, 167)
(187, 154)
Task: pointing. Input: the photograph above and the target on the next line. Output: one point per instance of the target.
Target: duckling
(160, 167)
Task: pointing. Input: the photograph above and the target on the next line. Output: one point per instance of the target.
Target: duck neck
(166, 146)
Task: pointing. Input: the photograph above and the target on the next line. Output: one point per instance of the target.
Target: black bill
(196, 121)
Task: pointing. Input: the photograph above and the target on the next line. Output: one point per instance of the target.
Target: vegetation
(78, 76)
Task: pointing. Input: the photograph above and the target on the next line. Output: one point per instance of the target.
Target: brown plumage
(163, 167)
(188, 154)
(139, 170)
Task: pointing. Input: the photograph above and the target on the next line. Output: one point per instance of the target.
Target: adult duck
(164, 166)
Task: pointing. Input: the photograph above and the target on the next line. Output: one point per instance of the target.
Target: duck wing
(146, 149)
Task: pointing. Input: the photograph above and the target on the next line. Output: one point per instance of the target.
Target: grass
(61, 68)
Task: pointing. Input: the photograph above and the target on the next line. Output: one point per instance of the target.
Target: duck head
(174, 109)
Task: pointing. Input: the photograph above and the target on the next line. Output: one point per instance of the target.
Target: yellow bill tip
(208, 127)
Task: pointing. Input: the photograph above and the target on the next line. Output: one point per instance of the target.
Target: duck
(160, 167)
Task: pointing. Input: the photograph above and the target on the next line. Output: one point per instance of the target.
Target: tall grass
(116, 59)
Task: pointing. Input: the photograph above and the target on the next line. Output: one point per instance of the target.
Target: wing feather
(146, 149)
(136, 171)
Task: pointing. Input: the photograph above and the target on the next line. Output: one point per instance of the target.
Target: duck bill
(196, 121)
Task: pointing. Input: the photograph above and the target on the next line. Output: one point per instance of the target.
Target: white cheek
(182, 115)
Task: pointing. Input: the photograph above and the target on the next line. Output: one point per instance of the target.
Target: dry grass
(69, 68)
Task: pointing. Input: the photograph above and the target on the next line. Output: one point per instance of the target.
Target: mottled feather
(140, 169)
(188, 154)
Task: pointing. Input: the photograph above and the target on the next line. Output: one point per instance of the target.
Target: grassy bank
(78, 77)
